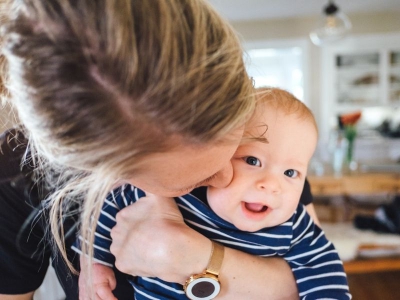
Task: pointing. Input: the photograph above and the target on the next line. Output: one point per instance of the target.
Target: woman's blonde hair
(100, 85)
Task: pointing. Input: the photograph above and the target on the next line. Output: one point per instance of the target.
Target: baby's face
(268, 177)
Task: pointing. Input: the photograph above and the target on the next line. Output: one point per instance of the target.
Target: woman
(152, 93)
(24, 247)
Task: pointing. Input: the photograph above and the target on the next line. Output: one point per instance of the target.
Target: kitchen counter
(340, 198)
(355, 184)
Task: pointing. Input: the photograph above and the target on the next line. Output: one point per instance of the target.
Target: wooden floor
(375, 286)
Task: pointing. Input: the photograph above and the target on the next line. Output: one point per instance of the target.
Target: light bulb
(332, 26)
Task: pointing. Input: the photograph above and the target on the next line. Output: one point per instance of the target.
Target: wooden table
(371, 265)
(341, 194)
(355, 184)
(344, 189)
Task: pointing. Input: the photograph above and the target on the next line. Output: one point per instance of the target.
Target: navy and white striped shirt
(313, 259)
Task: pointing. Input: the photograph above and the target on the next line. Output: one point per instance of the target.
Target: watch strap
(216, 258)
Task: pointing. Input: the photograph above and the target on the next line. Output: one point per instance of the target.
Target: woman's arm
(244, 276)
(151, 239)
(28, 296)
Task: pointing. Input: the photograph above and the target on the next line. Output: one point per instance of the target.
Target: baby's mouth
(255, 207)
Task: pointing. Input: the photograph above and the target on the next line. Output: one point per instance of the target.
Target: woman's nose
(223, 177)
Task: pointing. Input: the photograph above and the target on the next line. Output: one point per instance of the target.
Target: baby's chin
(255, 226)
(249, 227)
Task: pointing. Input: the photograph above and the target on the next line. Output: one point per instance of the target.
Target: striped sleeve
(115, 201)
(315, 262)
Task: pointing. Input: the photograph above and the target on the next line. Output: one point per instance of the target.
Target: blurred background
(360, 71)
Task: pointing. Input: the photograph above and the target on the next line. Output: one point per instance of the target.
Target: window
(278, 66)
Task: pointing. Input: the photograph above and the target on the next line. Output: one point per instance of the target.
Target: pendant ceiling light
(332, 26)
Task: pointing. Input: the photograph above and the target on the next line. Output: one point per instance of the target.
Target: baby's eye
(291, 173)
(253, 161)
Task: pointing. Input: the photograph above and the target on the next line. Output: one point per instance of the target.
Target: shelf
(359, 86)
(363, 80)
(358, 59)
(361, 68)
(346, 107)
(372, 61)
(395, 67)
(394, 102)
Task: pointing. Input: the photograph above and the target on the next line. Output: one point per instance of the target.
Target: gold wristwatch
(206, 286)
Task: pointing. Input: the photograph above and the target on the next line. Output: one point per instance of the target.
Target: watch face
(203, 289)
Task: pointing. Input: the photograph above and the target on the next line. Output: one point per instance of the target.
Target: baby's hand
(103, 283)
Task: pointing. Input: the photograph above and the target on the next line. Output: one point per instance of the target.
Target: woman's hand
(152, 240)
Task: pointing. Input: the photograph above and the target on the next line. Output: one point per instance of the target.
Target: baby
(258, 212)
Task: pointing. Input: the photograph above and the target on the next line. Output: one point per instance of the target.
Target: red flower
(350, 118)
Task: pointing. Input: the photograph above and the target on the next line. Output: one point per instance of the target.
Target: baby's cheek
(291, 207)
(217, 200)
(212, 197)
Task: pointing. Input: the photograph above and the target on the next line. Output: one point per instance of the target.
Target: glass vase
(350, 134)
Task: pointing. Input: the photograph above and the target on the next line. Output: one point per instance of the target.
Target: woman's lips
(254, 210)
